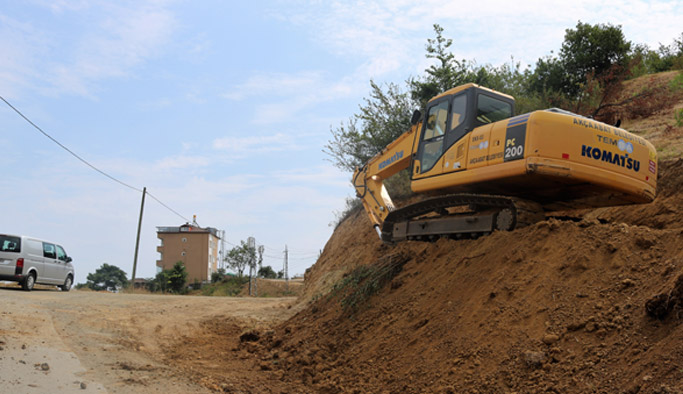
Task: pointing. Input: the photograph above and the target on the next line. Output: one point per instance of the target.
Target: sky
(221, 109)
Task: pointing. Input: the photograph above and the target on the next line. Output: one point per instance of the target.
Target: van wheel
(67, 284)
(29, 282)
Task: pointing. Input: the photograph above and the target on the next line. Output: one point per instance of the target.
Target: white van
(29, 261)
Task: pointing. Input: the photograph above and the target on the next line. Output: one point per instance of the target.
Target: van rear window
(9, 243)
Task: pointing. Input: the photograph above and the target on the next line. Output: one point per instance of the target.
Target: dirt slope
(555, 307)
(559, 307)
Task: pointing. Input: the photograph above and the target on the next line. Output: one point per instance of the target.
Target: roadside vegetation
(175, 281)
(586, 76)
(363, 282)
(225, 284)
(107, 277)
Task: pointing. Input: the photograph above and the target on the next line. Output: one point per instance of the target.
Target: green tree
(267, 272)
(159, 283)
(667, 57)
(592, 50)
(239, 257)
(384, 116)
(177, 277)
(107, 277)
(548, 78)
(446, 73)
(588, 51)
(218, 276)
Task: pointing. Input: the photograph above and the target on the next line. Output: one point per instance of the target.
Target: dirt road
(86, 342)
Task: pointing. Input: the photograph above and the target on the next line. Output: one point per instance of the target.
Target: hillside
(567, 305)
(555, 307)
(559, 306)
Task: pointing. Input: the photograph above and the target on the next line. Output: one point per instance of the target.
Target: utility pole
(260, 261)
(286, 268)
(251, 245)
(222, 251)
(137, 240)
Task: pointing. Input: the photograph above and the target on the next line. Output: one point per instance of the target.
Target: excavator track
(430, 219)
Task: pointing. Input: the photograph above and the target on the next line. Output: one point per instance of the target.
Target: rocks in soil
(646, 241)
(663, 305)
(550, 339)
(534, 359)
(250, 336)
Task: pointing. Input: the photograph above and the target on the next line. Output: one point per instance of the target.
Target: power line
(86, 162)
(69, 150)
(169, 208)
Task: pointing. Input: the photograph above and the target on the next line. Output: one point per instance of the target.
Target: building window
(184, 239)
(183, 253)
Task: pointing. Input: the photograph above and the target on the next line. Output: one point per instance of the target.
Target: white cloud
(241, 146)
(275, 84)
(122, 39)
(283, 97)
(182, 162)
(60, 6)
(386, 36)
(116, 37)
(317, 175)
(20, 45)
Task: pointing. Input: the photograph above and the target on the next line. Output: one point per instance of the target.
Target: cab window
(433, 136)
(61, 254)
(436, 121)
(458, 109)
(49, 251)
(491, 110)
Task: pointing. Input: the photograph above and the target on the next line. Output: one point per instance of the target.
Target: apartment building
(196, 247)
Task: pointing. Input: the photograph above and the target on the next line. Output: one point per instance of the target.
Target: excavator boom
(369, 179)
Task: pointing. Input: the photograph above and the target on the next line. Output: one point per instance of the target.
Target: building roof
(187, 228)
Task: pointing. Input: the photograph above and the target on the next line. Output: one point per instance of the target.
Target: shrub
(678, 115)
(365, 281)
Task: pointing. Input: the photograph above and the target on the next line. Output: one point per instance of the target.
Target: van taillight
(20, 263)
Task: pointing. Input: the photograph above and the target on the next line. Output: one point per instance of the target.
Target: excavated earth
(560, 306)
(567, 305)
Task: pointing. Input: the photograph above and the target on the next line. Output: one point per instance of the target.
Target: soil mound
(583, 302)
(665, 212)
(560, 306)
(274, 288)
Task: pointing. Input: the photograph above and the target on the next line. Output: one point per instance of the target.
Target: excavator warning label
(514, 143)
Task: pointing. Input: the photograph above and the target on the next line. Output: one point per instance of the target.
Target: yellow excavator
(484, 169)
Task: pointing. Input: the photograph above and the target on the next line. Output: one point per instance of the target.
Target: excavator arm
(369, 179)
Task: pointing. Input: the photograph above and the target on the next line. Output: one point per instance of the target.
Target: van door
(52, 266)
(10, 251)
(33, 257)
(63, 265)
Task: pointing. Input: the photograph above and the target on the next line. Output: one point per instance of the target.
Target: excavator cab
(452, 115)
